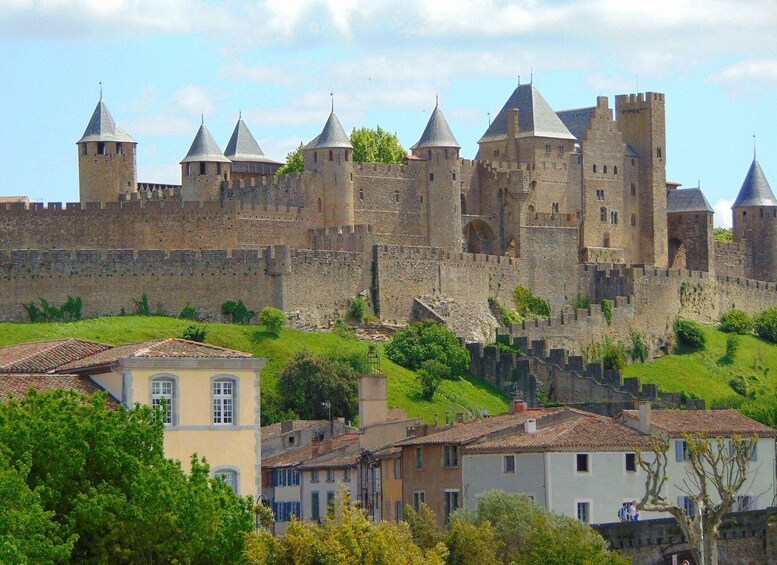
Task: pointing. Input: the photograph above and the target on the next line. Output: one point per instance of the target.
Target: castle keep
(548, 194)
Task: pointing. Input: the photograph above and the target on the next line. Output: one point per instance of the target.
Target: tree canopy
(295, 162)
(429, 341)
(376, 146)
(86, 482)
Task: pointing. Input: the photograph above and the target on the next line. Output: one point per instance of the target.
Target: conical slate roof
(243, 147)
(102, 127)
(535, 117)
(333, 135)
(204, 148)
(437, 132)
(755, 190)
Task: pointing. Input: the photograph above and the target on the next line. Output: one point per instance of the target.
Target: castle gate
(479, 237)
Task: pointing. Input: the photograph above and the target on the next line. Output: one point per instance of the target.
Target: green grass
(707, 373)
(403, 390)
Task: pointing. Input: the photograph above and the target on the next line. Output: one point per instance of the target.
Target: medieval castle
(562, 202)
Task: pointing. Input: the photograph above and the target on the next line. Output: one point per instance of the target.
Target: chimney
(644, 416)
(287, 426)
(460, 417)
(530, 425)
(517, 405)
(512, 123)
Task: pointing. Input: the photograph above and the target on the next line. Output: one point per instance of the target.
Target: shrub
(142, 307)
(739, 385)
(505, 316)
(690, 333)
(237, 312)
(639, 349)
(766, 324)
(581, 301)
(68, 312)
(530, 306)
(607, 310)
(736, 321)
(272, 319)
(424, 340)
(343, 330)
(356, 310)
(195, 333)
(609, 352)
(189, 312)
(732, 346)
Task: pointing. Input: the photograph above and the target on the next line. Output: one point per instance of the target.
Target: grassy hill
(707, 374)
(403, 390)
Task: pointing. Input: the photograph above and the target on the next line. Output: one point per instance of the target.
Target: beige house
(210, 394)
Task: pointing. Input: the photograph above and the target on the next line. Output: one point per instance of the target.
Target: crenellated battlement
(538, 219)
(395, 252)
(383, 170)
(266, 182)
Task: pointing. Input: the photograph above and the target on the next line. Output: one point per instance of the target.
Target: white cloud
(723, 217)
(195, 99)
(747, 75)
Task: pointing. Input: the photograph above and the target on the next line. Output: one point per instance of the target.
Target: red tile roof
(580, 431)
(331, 448)
(710, 422)
(157, 348)
(44, 356)
(18, 385)
(274, 430)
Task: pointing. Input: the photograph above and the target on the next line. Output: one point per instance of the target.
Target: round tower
(442, 171)
(204, 168)
(106, 159)
(330, 155)
(755, 222)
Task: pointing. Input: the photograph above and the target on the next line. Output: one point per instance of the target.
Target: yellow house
(210, 394)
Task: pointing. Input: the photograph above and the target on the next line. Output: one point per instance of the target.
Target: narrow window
(554, 208)
(315, 506)
(330, 475)
(603, 214)
(584, 512)
(615, 170)
(581, 463)
(454, 176)
(319, 206)
(398, 468)
(613, 217)
(496, 153)
(346, 155)
(419, 497)
(315, 156)
(396, 196)
(631, 462)
(681, 451)
(560, 149)
(346, 474)
(509, 464)
(633, 219)
(331, 155)
(361, 194)
(218, 168)
(83, 149)
(594, 168)
(547, 149)
(429, 154)
(658, 152)
(224, 402)
(632, 162)
(419, 458)
(314, 476)
(633, 189)
(398, 511)
(203, 168)
(188, 169)
(450, 456)
(101, 148)
(605, 169)
(446, 154)
(431, 177)
(162, 394)
(451, 502)
(119, 149)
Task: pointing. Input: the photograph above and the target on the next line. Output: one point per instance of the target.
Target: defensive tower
(106, 159)
(203, 168)
(248, 159)
(440, 151)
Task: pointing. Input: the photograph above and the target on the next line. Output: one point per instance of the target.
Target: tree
(99, 473)
(425, 340)
(237, 312)
(470, 542)
(376, 146)
(308, 380)
(295, 162)
(736, 321)
(717, 469)
(273, 319)
(766, 324)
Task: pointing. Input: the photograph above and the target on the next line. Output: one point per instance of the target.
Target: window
(509, 464)
(547, 149)
(451, 502)
(330, 475)
(203, 168)
(291, 440)
(347, 474)
(631, 462)
(229, 476)
(429, 155)
(283, 511)
(454, 178)
(361, 194)
(330, 503)
(314, 476)
(615, 170)
(450, 456)
(605, 169)
(315, 506)
(224, 402)
(331, 155)
(560, 149)
(315, 156)
(496, 153)
(188, 169)
(119, 149)
(431, 177)
(398, 511)
(396, 196)
(603, 214)
(446, 154)
(419, 497)
(554, 208)
(687, 504)
(584, 511)
(163, 394)
(83, 149)
(594, 168)
(632, 162)
(681, 451)
(633, 219)
(218, 168)
(101, 148)
(658, 152)
(633, 189)
(744, 503)
(581, 463)
(398, 468)
(319, 205)
(419, 458)
(600, 194)
(614, 217)
(346, 155)
(285, 478)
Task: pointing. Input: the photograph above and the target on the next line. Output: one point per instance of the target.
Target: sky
(164, 64)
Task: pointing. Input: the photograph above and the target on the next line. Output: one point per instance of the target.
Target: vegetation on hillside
(724, 234)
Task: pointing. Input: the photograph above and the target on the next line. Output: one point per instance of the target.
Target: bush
(732, 346)
(639, 349)
(739, 385)
(425, 340)
(530, 306)
(690, 333)
(273, 319)
(581, 301)
(189, 313)
(356, 310)
(237, 312)
(736, 321)
(766, 324)
(611, 353)
(195, 333)
(142, 307)
(505, 316)
(68, 312)
(607, 310)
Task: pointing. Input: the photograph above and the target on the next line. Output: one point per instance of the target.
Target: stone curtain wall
(733, 259)
(149, 225)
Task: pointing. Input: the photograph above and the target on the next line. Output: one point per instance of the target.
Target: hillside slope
(403, 391)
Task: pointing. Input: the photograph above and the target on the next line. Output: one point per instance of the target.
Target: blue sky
(164, 63)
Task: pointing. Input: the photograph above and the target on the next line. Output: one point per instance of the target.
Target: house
(209, 395)
(291, 434)
(322, 477)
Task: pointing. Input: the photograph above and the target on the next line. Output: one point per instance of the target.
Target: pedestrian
(633, 511)
(623, 512)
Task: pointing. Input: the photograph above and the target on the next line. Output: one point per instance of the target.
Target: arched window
(431, 177)
(346, 155)
(164, 393)
(224, 389)
(605, 170)
(603, 214)
(331, 155)
(230, 475)
(594, 168)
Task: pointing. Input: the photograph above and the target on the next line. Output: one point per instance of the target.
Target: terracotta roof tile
(19, 384)
(331, 448)
(274, 430)
(581, 431)
(44, 356)
(710, 422)
(158, 348)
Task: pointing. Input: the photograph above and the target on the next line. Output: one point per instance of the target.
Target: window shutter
(678, 450)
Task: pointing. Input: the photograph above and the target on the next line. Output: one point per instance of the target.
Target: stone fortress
(566, 202)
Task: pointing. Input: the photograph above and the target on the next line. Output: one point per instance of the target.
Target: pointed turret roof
(243, 147)
(755, 190)
(102, 127)
(333, 135)
(204, 148)
(437, 132)
(535, 117)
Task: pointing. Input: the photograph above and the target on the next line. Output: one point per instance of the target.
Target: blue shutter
(678, 450)
(295, 477)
